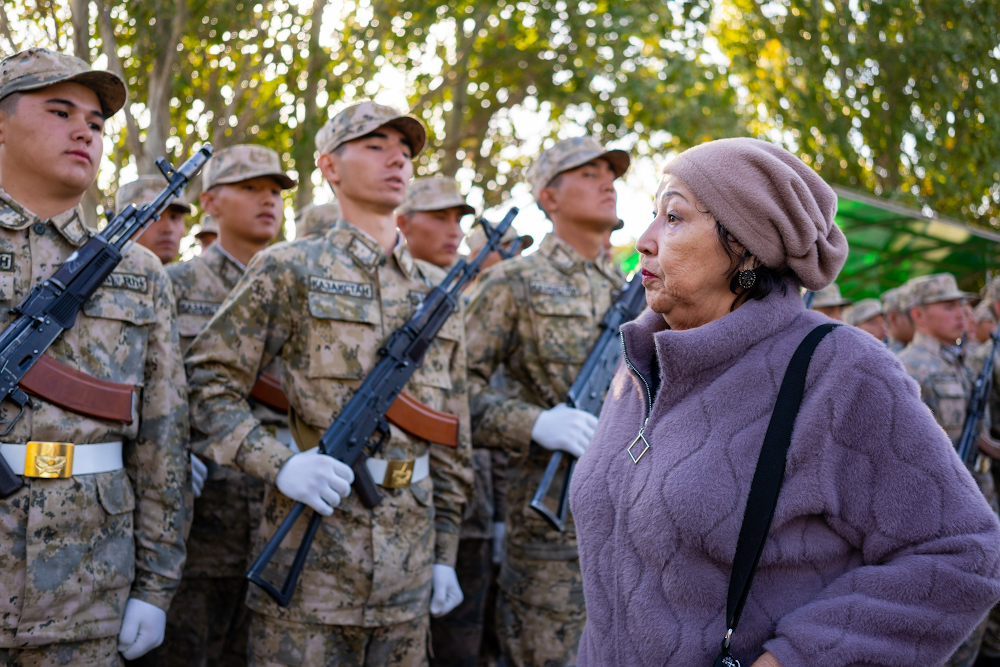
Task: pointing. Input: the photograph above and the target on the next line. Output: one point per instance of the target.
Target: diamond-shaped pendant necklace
(640, 444)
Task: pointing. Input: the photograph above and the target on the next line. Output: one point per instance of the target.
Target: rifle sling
(267, 390)
(78, 392)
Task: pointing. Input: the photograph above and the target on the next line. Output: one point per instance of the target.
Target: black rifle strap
(770, 471)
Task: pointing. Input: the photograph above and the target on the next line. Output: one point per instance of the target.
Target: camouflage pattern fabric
(234, 164)
(476, 239)
(433, 193)
(72, 551)
(934, 288)
(457, 637)
(533, 636)
(316, 219)
(477, 520)
(862, 311)
(324, 305)
(364, 118)
(829, 296)
(33, 69)
(89, 653)
(570, 154)
(944, 381)
(143, 190)
(274, 642)
(208, 225)
(208, 626)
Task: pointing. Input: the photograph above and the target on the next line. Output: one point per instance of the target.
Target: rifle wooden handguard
(267, 390)
(78, 392)
(425, 422)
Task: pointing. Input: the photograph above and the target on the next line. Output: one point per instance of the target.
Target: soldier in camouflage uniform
(897, 318)
(163, 237)
(324, 305)
(537, 317)
(208, 231)
(867, 316)
(429, 219)
(208, 623)
(829, 302)
(315, 219)
(945, 383)
(89, 560)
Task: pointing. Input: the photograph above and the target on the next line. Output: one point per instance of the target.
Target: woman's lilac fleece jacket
(882, 551)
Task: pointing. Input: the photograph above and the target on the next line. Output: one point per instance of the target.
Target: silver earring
(746, 278)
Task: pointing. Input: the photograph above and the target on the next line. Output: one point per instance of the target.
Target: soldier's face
(250, 210)
(163, 237)
(942, 320)
(875, 326)
(585, 196)
(53, 140)
(900, 327)
(371, 171)
(683, 264)
(433, 236)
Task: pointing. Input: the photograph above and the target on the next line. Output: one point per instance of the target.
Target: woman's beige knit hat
(771, 201)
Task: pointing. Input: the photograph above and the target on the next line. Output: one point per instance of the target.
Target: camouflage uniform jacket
(894, 345)
(944, 381)
(324, 305)
(538, 316)
(228, 511)
(72, 551)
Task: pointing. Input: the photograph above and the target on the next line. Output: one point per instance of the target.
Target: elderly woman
(882, 551)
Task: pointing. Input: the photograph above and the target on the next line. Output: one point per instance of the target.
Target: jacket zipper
(649, 401)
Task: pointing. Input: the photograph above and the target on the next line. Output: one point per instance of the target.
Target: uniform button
(38, 228)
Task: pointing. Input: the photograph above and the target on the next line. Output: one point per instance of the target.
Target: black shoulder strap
(767, 478)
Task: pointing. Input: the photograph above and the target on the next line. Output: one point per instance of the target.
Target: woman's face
(683, 264)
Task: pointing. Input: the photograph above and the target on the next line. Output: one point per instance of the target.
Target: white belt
(62, 459)
(399, 474)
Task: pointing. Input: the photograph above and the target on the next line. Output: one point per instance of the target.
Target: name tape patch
(340, 287)
(554, 289)
(189, 307)
(128, 281)
(6, 261)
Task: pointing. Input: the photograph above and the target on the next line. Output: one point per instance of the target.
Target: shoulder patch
(129, 281)
(6, 261)
(340, 287)
(562, 259)
(192, 307)
(554, 289)
(361, 252)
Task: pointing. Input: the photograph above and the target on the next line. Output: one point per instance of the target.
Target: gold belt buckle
(398, 474)
(49, 460)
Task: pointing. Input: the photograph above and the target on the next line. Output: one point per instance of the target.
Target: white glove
(564, 428)
(142, 629)
(199, 473)
(447, 592)
(318, 480)
(499, 530)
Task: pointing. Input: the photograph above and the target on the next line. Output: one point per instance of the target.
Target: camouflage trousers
(207, 625)
(90, 653)
(274, 642)
(536, 637)
(461, 637)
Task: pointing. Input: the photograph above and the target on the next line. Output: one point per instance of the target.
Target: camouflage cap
(477, 239)
(34, 69)
(144, 190)
(991, 291)
(829, 296)
(570, 154)
(364, 118)
(316, 219)
(242, 162)
(862, 311)
(433, 193)
(894, 300)
(984, 312)
(934, 288)
(208, 225)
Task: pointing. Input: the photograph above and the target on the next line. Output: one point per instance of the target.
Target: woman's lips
(647, 275)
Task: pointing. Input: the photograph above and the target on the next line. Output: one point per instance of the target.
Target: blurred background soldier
(986, 320)
(208, 231)
(931, 358)
(316, 219)
(429, 219)
(867, 316)
(208, 623)
(829, 302)
(163, 237)
(92, 549)
(898, 323)
(537, 316)
(477, 239)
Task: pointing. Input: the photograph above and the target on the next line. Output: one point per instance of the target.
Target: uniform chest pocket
(344, 335)
(189, 326)
(949, 389)
(435, 371)
(113, 342)
(563, 326)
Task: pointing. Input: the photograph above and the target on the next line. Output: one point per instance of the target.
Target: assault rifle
(51, 307)
(365, 413)
(967, 449)
(588, 390)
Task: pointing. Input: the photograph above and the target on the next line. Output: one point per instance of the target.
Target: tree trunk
(304, 146)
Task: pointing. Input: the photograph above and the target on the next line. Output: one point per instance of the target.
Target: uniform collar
(365, 251)
(223, 265)
(934, 346)
(69, 223)
(565, 258)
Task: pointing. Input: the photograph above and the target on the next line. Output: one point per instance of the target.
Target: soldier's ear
(329, 166)
(207, 200)
(548, 201)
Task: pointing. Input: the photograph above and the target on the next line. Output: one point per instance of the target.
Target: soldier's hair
(8, 105)
(767, 278)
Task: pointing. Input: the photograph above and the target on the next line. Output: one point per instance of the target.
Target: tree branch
(109, 45)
